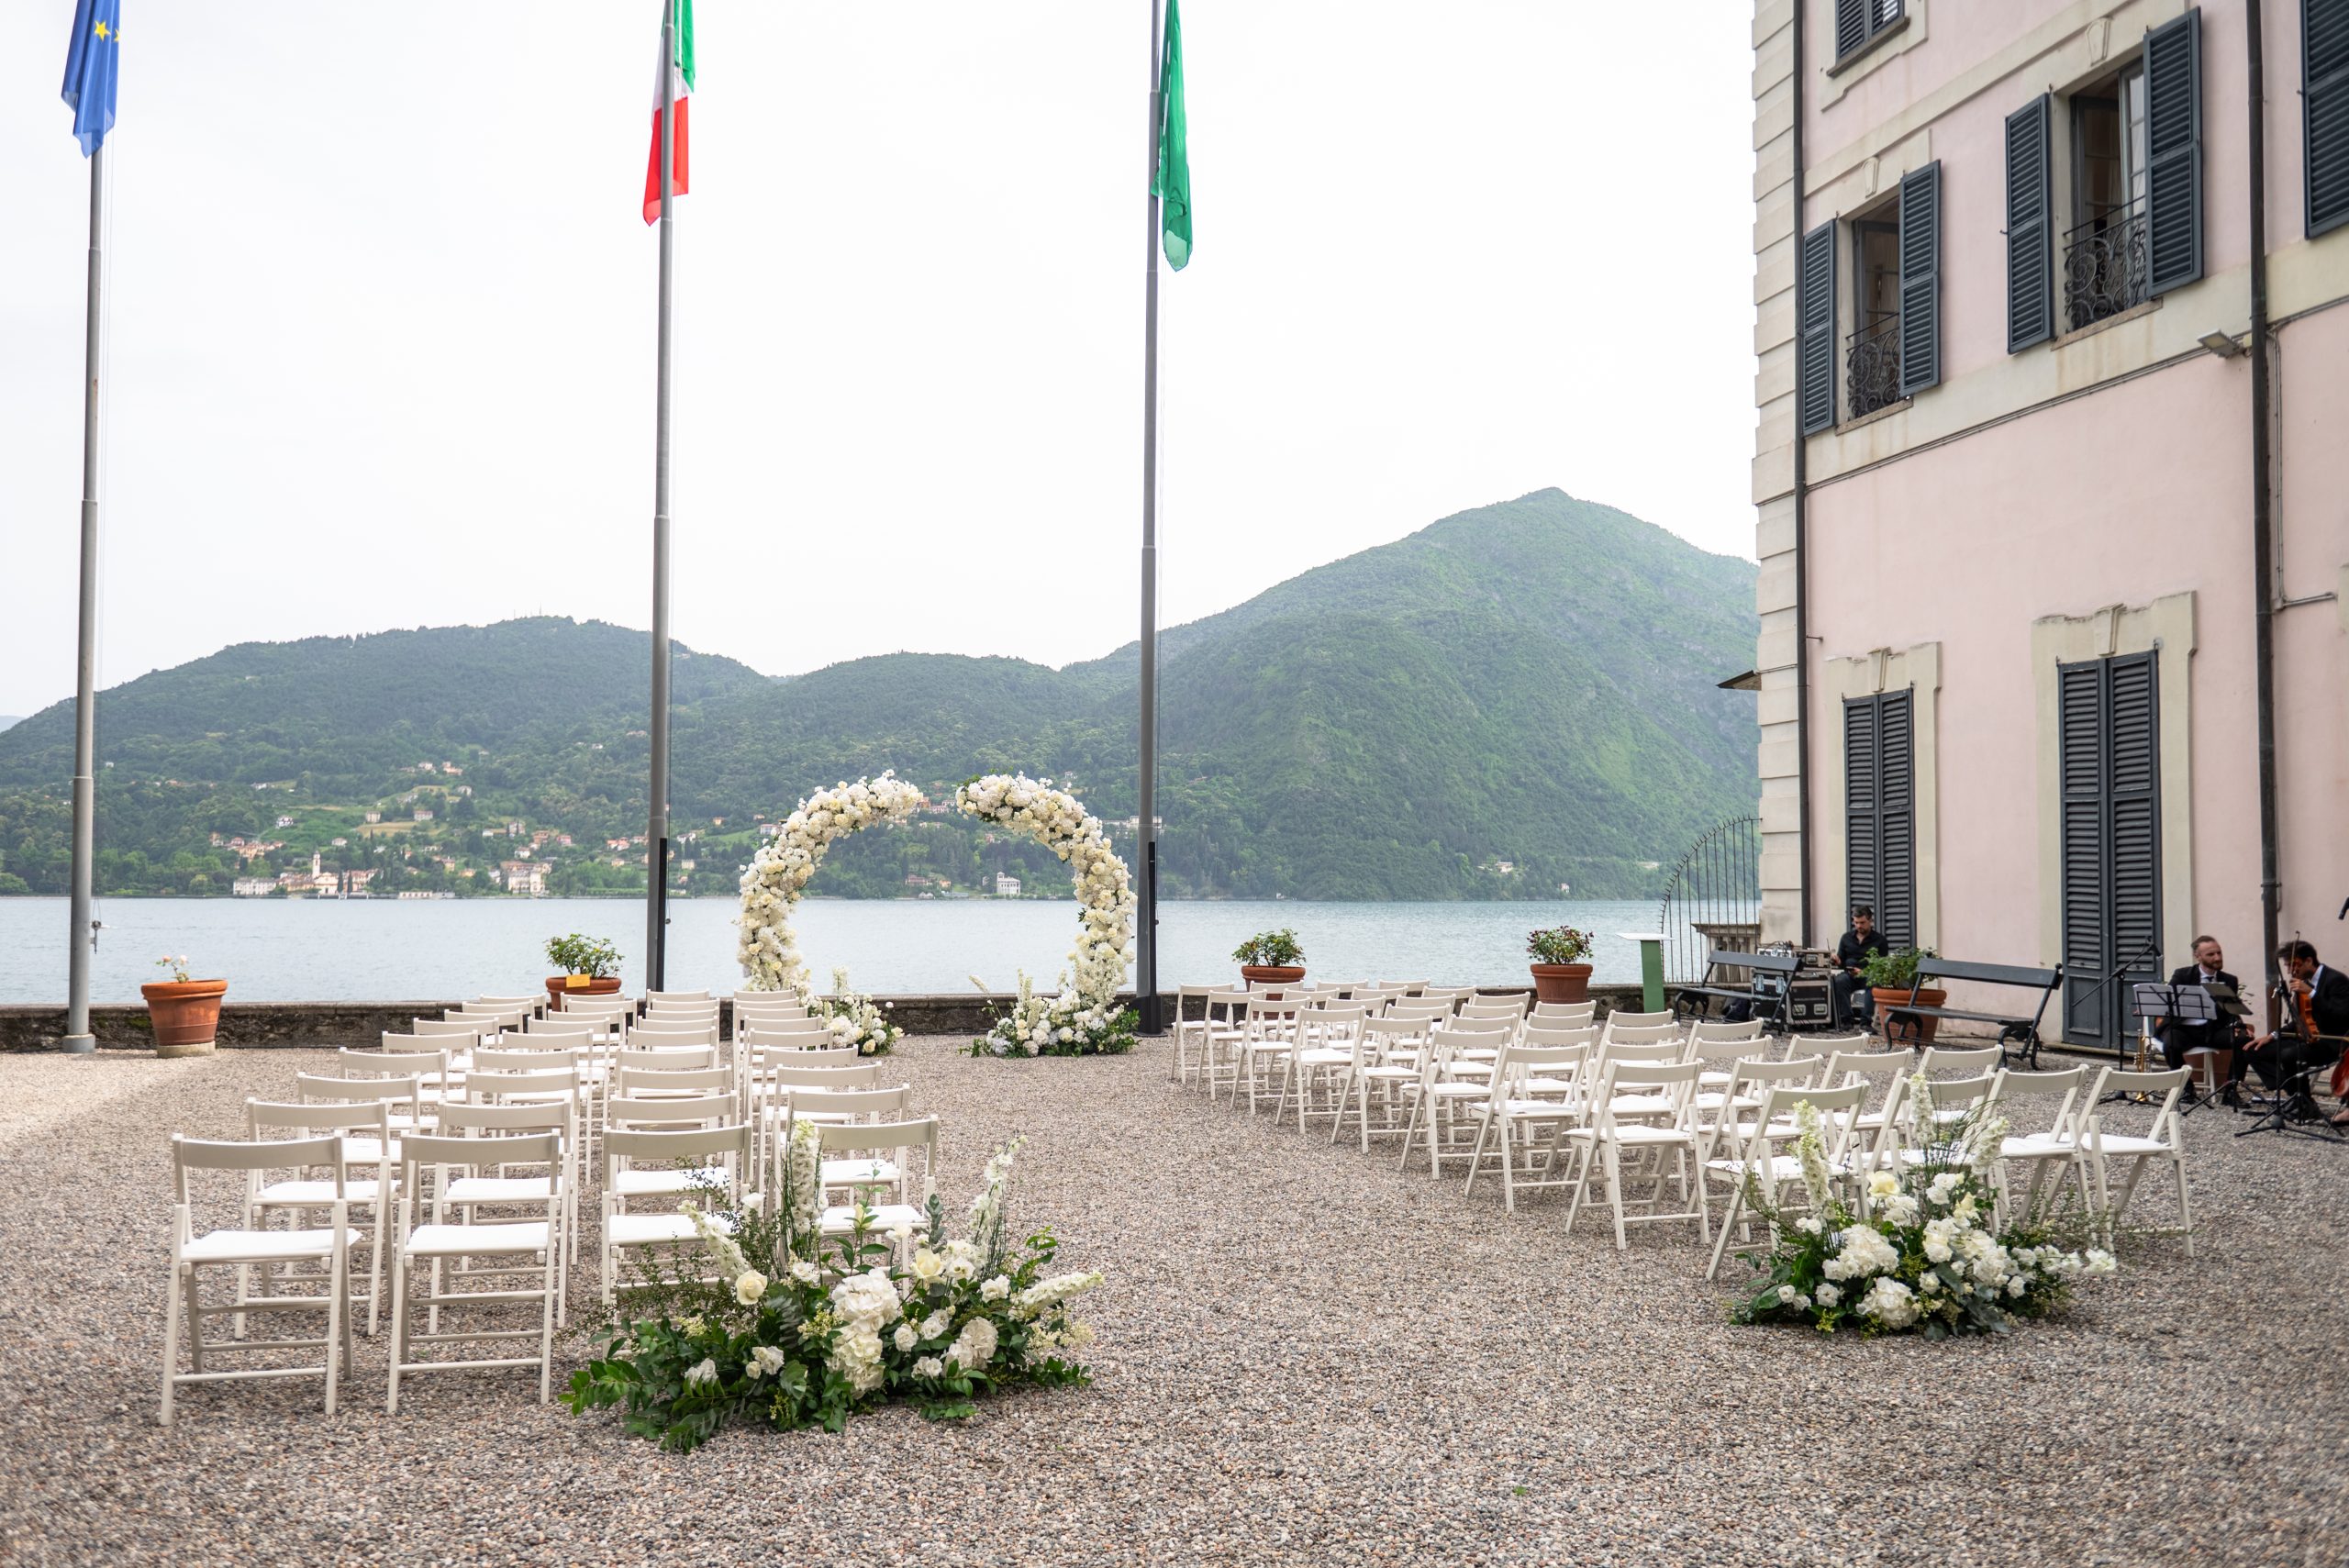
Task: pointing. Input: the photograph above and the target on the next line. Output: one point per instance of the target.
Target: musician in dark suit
(2321, 996)
(1852, 997)
(2224, 1035)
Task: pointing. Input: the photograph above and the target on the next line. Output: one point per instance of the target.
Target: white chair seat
(1635, 1133)
(1783, 1167)
(497, 1189)
(2113, 1143)
(1549, 1085)
(2040, 1146)
(642, 1230)
(300, 1194)
(475, 1241)
(638, 1184)
(839, 1219)
(1640, 1105)
(364, 1152)
(1324, 1056)
(1389, 1071)
(1457, 1091)
(1539, 1110)
(265, 1246)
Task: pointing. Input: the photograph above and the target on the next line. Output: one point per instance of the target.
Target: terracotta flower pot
(1271, 974)
(1561, 981)
(1888, 1002)
(186, 1014)
(562, 985)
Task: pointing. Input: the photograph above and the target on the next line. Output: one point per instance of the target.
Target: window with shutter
(1921, 285)
(1858, 21)
(2109, 743)
(2324, 110)
(1879, 812)
(2173, 153)
(1815, 330)
(2031, 294)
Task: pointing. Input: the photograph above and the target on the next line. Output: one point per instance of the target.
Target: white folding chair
(1607, 1139)
(2023, 1098)
(1526, 1119)
(243, 1248)
(1188, 1030)
(1385, 1058)
(666, 1163)
(510, 1241)
(1269, 1036)
(301, 1192)
(1756, 1161)
(894, 1143)
(2163, 1142)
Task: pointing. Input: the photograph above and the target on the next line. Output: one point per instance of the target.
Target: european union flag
(90, 70)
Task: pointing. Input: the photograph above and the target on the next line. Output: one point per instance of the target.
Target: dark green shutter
(2031, 282)
(1921, 280)
(2109, 741)
(1851, 25)
(1880, 811)
(1815, 330)
(2324, 111)
(2173, 153)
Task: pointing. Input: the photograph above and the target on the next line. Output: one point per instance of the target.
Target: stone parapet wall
(246, 1026)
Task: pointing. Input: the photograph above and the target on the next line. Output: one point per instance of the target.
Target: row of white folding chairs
(1228, 1017)
(465, 1231)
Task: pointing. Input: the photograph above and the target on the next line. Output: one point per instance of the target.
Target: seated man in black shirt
(2223, 1034)
(1852, 993)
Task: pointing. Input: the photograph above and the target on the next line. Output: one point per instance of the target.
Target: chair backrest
(655, 997)
(2164, 1087)
(468, 1029)
(393, 1092)
(1951, 1097)
(901, 1137)
(766, 1059)
(725, 1148)
(530, 1005)
(1674, 1080)
(1653, 1053)
(567, 1084)
(1958, 1061)
(498, 1059)
(653, 1032)
(671, 1057)
(1585, 1011)
(1705, 1029)
(1746, 1076)
(1719, 1054)
(2012, 1090)
(1483, 1006)
(371, 1117)
(860, 1104)
(679, 1111)
(440, 1152)
(1273, 1014)
(1417, 1007)
(475, 1120)
(1541, 1034)
(431, 1067)
(1640, 1026)
(262, 1156)
(488, 1018)
(641, 1083)
(1518, 1063)
(867, 1075)
(782, 1031)
(1504, 1028)
(550, 1034)
(1782, 1108)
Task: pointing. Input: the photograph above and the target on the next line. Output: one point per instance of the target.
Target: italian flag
(680, 67)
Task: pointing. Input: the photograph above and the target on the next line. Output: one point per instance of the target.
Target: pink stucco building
(2053, 477)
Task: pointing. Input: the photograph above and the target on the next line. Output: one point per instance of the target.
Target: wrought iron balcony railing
(1871, 367)
(2105, 266)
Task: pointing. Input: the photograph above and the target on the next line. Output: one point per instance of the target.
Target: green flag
(1172, 184)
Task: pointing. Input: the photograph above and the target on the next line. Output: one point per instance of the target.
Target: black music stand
(2175, 1004)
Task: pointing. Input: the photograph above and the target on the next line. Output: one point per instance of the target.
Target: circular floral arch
(1082, 1017)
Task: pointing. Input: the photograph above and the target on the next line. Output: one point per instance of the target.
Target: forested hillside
(1511, 698)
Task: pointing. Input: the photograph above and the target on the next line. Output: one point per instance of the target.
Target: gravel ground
(1304, 1357)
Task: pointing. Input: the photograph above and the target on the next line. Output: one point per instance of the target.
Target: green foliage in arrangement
(1511, 698)
(1895, 970)
(1270, 949)
(594, 957)
(1558, 944)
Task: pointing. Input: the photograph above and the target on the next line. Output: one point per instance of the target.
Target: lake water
(387, 950)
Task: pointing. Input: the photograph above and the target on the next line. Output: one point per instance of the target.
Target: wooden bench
(2018, 1036)
(1697, 1000)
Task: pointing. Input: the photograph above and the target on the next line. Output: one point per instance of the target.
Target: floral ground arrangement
(1082, 1018)
(796, 1329)
(1922, 1252)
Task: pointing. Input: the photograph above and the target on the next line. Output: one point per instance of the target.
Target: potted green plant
(1270, 958)
(1559, 972)
(590, 966)
(1892, 981)
(186, 1013)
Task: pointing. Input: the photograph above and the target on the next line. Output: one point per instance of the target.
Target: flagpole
(78, 1036)
(1153, 1020)
(656, 832)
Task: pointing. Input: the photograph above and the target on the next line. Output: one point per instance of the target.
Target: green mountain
(1510, 699)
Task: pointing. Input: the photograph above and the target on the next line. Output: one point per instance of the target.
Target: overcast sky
(381, 312)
